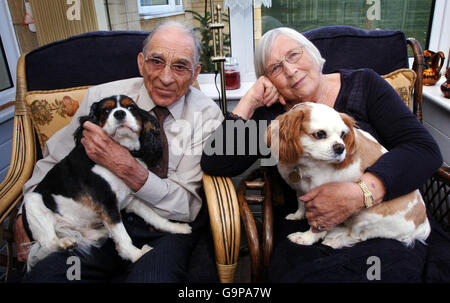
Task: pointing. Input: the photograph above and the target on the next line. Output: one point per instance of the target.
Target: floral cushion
(402, 80)
(52, 110)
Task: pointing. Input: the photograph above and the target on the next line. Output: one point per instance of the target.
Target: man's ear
(140, 62)
(197, 70)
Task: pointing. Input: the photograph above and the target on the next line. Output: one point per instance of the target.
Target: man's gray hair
(186, 28)
(265, 44)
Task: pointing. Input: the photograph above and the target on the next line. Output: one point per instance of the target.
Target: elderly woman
(289, 68)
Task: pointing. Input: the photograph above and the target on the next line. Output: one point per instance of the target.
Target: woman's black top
(413, 153)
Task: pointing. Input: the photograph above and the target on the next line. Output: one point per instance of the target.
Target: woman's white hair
(265, 44)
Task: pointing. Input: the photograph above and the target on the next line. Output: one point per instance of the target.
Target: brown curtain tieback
(162, 167)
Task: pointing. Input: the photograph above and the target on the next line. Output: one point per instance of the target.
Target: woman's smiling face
(297, 81)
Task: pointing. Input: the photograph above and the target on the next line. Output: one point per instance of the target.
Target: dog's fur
(318, 145)
(78, 202)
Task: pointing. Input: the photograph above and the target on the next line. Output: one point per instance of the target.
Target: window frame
(241, 43)
(242, 29)
(440, 29)
(242, 37)
(12, 52)
(158, 10)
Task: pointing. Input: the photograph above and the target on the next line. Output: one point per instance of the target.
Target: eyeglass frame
(148, 58)
(280, 63)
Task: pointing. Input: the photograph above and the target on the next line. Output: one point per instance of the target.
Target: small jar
(445, 87)
(232, 74)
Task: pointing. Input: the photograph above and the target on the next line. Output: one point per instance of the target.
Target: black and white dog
(78, 202)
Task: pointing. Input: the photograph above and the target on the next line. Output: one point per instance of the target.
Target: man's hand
(20, 238)
(100, 147)
(103, 150)
(331, 204)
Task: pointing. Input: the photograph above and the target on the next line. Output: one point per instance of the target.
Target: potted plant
(206, 38)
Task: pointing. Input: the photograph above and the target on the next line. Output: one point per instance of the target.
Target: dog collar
(296, 175)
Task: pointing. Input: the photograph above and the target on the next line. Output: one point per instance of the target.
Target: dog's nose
(338, 148)
(119, 115)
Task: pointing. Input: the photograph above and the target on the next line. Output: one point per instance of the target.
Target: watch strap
(368, 197)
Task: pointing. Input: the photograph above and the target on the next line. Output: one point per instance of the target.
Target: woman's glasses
(292, 57)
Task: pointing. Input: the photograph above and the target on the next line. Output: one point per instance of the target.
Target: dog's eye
(107, 110)
(130, 107)
(343, 134)
(320, 134)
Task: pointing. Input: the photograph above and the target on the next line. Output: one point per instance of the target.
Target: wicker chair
(77, 62)
(342, 47)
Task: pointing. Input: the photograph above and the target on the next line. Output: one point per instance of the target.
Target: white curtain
(246, 3)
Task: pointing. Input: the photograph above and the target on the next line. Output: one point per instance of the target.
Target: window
(5, 75)
(9, 54)
(160, 7)
(422, 19)
(410, 16)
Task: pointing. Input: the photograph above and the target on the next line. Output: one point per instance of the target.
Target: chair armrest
(436, 195)
(259, 261)
(418, 66)
(23, 159)
(225, 224)
(21, 166)
(23, 155)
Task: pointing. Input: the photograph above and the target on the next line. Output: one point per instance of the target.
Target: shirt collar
(145, 102)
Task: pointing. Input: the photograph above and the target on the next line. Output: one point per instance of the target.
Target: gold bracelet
(368, 197)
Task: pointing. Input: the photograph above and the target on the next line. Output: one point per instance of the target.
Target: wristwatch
(368, 198)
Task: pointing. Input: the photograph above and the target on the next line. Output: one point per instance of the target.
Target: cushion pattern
(402, 80)
(52, 110)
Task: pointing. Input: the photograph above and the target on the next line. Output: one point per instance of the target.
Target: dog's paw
(145, 249)
(66, 243)
(338, 240)
(182, 228)
(133, 253)
(298, 215)
(303, 238)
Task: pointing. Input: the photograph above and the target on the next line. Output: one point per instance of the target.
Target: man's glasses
(178, 69)
(292, 57)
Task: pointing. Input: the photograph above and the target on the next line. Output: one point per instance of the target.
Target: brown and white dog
(317, 145)
(78, 202)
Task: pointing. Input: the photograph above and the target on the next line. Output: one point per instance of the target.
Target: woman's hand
(331, 204)
(262, 93)
(103, 150)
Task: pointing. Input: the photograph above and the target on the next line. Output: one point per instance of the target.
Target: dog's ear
(349, 139)
(288, 148)
(150, 140)
(93, 117)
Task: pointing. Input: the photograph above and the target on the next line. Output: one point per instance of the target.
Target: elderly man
(169, 66)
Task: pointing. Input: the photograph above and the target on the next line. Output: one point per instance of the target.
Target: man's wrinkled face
(168, 65)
